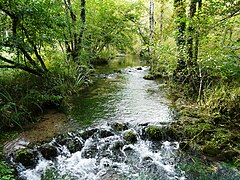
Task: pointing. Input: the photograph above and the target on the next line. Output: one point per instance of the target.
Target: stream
(108, 138)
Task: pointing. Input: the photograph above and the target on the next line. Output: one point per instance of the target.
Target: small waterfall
(106, 154)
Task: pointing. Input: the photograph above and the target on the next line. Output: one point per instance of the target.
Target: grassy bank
(210, 125)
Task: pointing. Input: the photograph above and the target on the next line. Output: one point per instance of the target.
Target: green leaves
(6, 173)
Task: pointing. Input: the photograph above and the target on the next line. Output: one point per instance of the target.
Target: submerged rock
(117, 145)
(74, 145)
(88, 133)
(48, 151)
(130, 136)
(110, 175)
(103, 133)
(90, 151)
(157, 133)
(27, 157)
(119, 126)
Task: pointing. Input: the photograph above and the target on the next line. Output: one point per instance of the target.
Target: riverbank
(211, 130)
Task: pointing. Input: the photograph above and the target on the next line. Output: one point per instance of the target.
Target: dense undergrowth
(211, 124)
(23, 96)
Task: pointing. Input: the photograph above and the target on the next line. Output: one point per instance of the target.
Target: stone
(118, 145)
(62, 139)
(27, 157)
(139, 68)
(119, 126)
(103, 133)
(48, 151)
(90, 152)
(163, 133)
(88, 133)
(130, 136)
(110, 175)
(74, 145)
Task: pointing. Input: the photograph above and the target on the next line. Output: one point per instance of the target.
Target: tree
(110, 27)
(76, 19)
(27, 26)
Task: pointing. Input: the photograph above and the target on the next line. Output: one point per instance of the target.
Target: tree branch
(19, 66)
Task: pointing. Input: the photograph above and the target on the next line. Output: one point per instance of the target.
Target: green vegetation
(47, 49)
(53, 45)
(200, 169)
(201, 60)
(6, 172)
(130, 136)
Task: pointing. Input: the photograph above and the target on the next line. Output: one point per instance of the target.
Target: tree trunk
(151, 24)
(161, 20)
(180, 12)
(197, 35)
(74, 41)
(83, 21)
(190, 34)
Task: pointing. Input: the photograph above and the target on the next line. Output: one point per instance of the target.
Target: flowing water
(100, 152)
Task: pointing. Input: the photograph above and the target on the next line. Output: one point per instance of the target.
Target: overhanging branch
(18, 66)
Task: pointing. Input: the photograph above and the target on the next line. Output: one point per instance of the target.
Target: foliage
(111, 27)
(193, 168)
(27, 28)
(6, 173)
(52, 173)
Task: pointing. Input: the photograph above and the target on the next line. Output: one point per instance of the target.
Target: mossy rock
(48, 151)
(154, 133)
(130, 136)
(27, 157)
(88, 133)
(74, 145)
(149, 77)
(62, 139)
(152, 76)
(119, 126)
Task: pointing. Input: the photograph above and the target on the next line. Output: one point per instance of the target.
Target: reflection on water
(122, 96)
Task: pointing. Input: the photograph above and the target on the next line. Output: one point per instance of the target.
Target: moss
(119, 126)
(162, 133)
(211, 149)
(26, 157)
(130, 136)
(154, 133)
(48, 151)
